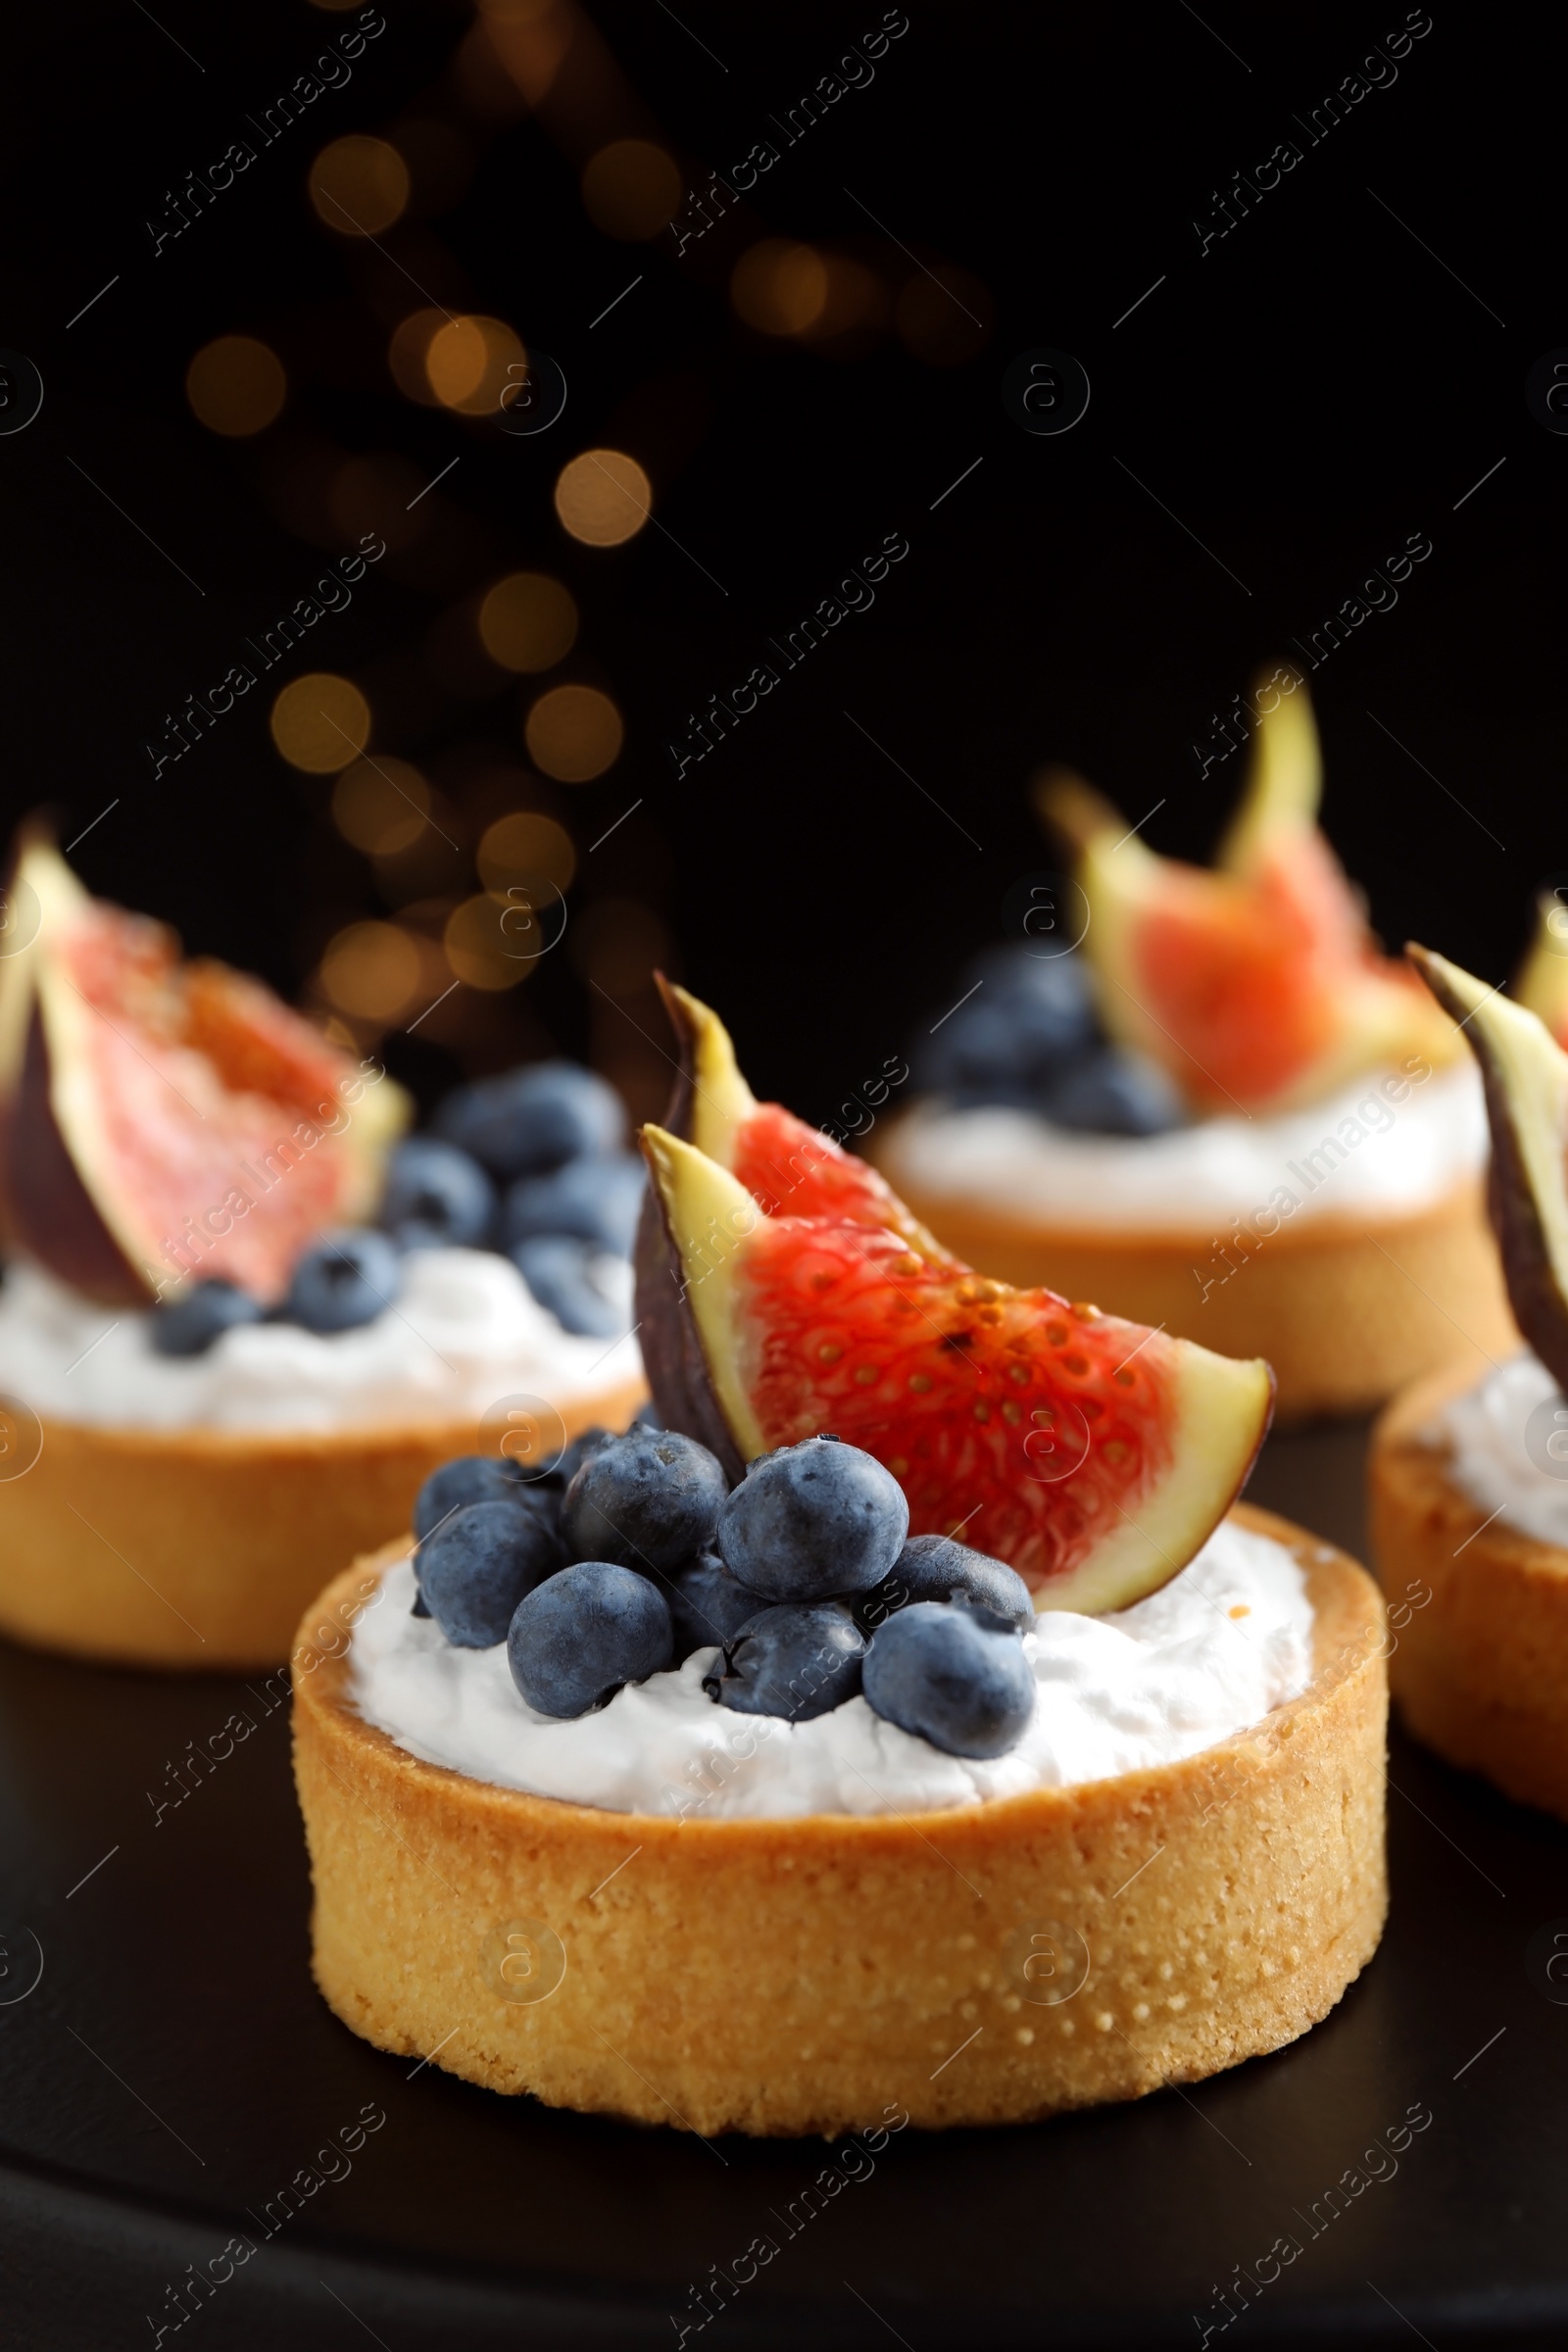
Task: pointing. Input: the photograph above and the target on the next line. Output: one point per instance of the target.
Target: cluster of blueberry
(632, 1553)
(532, 1162)
(1028, 1037)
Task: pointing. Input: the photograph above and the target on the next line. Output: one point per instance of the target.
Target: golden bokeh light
(604, 497)
(236, 385)
(359, 186)
(573, 733)
(632, 188)
(488, 943)
(467, 363)
(780, 288)
(523, 846)
(407, 352)
(380, 805)
(321, 723)
(371, 971)
(529, 622)
(530, 39)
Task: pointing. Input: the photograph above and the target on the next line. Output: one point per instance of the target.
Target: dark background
(1303, 396)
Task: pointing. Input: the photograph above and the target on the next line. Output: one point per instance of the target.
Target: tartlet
(197, 1548)
(1223, 1161)
(1479, 1667)
(812, 1975)
(180, 1156)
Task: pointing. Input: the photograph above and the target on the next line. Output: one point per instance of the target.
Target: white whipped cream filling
(463, 1332)
(1215, 1650)
(1502, 1455)
(1357, 1152)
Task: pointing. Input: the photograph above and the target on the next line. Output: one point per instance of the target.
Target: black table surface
(171, 2067)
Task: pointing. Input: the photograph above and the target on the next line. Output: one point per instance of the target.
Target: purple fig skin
(1535, 1294)
(49, 1211)
(679, 1381)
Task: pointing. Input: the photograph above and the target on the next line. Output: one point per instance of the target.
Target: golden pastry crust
(824, 1974)
(197, 1548)
(1480, 1670)
(1348, 1310)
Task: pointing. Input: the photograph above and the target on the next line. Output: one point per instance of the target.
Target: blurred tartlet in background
(221, 1378)
(1206, 1099)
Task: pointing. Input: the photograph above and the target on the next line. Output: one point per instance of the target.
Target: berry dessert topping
(798, 1659)
(472, 1478)
(150, 1110)
(707, 1605)
(954, 1674)
(1258, 983)
(343, 1280)
(595, 1201)
(937, 1568)
(1025, 1036)
(480, 1565)
(564, 1469)
(560, 1272)
(579, 1635)
(1092, 1454)
(530, 1120)
(190, 1323)
(789, 1168)
(812, 1524)
(649, 1499)
(1525, 1072)
(814, 1520)
(437, 1197)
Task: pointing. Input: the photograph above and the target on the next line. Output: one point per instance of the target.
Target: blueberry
(475, 1478)
(938, 1568)
(953, 1674)
(812, 1520)
(977, 1052)
(344, 1279)
(596, 1200)
(478, 1565)
(646, 1417)
(576, 1637)
(706, 1605)
(800, 1659)
(436, 1197)
(191, 1324)
(530, 1120)
(649, 1498)
(560, 1473)
(1028, 1018)
(1114, 1092)
(1055, 989)
(560, 1273)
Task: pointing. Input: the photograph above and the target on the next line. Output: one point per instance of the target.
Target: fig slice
(1525, 1072)
(1258, 983)
(1093, 1455)
(160, 1120)
(789, 1168)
